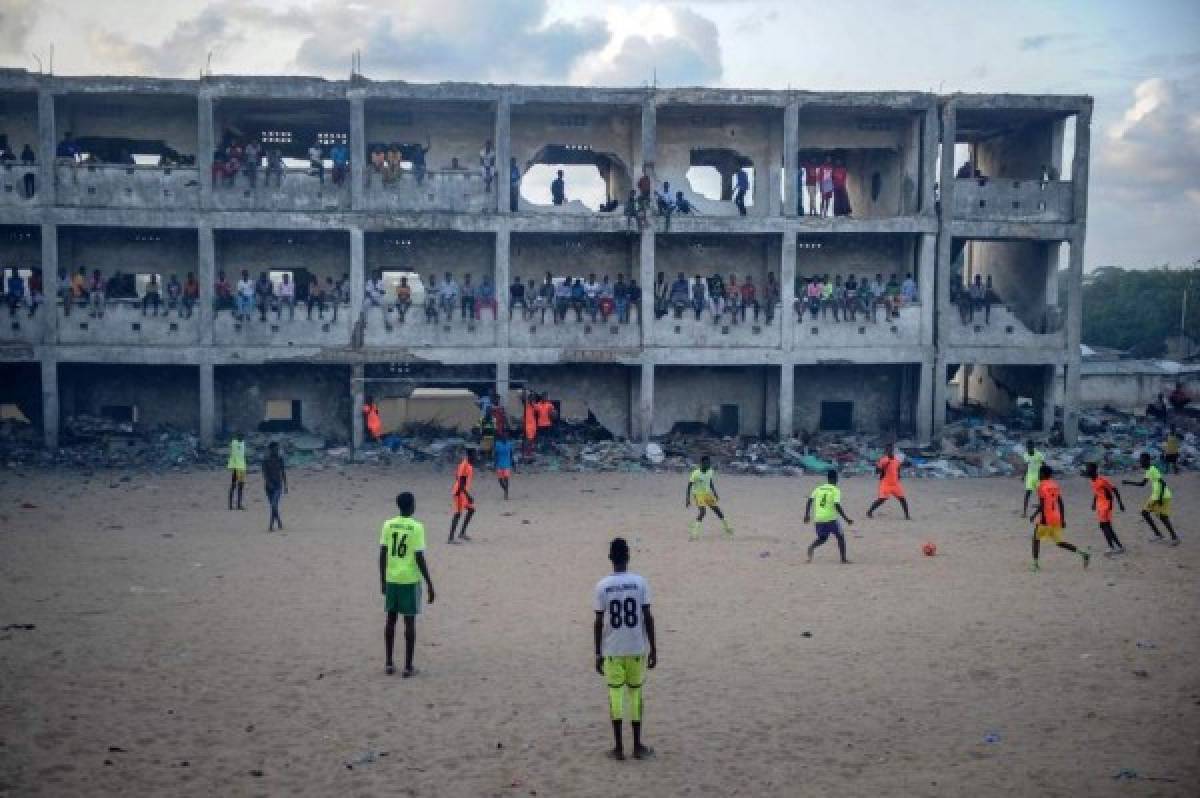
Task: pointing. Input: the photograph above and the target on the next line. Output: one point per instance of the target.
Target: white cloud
(1152, 153)
(675, 46)
(16, 20)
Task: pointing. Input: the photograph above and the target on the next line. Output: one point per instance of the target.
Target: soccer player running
(1159, 502)
(1050, 518)
(1033, 465)
(888, 469)
(502, 459)
(1103, 493)
(401, 568)
(274, 482)
(237, 469)
(461, 495)
(702, 488)
(625, 644)
(827, 499)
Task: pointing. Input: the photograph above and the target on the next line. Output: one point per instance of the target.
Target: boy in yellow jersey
(1033, 458)
(623, 633)
(827, 499)
(702, 488)
(1159, 502)
(401, 569)
(237, 469)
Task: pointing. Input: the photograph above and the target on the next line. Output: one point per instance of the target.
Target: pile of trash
(974, 446)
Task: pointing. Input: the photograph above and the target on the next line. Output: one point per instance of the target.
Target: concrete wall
(427, 252)
(605, 129)
(1128, 391)
(325, 254)
(1014, 200)
(858, 254)
(127, 186)
(1018, 154)
(297, 191)
(696, 394)
(164, 395)
(868, 144)
(132, 251)
(742, 255)
(608, 391)
(884, 396)
(124, 323)
(20, 246)
(748, 132)
(169, 118)
(563, 255)
(324, 391)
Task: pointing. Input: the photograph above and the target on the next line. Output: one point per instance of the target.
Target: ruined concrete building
(941, 188)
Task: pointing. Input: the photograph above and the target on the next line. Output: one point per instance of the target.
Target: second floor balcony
(316, 324)
(1010, 200)
(128, 322)
(457, 190)
(126, 186)
(18, 184)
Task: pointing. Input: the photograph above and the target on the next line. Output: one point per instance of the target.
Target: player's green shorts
(624, 671)
(402, 599)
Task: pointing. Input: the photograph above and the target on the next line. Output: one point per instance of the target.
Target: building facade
(917, 211)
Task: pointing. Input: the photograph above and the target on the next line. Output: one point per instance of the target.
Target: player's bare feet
(409, 672)
(617, 754)
(389, 670)
(643, 752)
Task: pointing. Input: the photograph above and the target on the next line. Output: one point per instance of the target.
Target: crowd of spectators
(822, 297)
(973, 298)
(27, 158)
(246, 296)
(717, 295)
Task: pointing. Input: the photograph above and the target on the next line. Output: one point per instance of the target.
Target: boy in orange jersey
(461, 494)
(888, 469)
(1103, 493)
(1050, 518)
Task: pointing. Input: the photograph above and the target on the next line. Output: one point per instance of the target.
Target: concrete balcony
(384, 329)
(1005, 328)
(1007, 200)
(455, 190)
(284, 331)
(122, 323)
(687, 331)
(298, 190)
(20, 327)
(12, 184)
(116, 186)
(572, 334)
(904, 328)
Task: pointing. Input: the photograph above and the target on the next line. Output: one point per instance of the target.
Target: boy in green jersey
(1033, 458)
(702, 489)
(1159, 502)
(237, 469)
(401, 569)
(827, 499)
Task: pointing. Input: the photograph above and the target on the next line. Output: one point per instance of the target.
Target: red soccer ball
(929, 548)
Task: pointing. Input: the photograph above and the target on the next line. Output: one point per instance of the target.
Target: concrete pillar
(929, 159)
(926, 285)
(771, 174)
(649, 134)
(925, 400)
(1057, 132)
(787, 399)
(357, 273)
(47, 141)
(358, 395)
(49, 234)
(206, 271)
(791, 161)
(502, 278)
(50, 411)
(1048, 394)
(1053, 255)
(1079, 181)
(787, 290)
(206, 142)
(646, 402)
(646, 277)
(943, 312)
(939, 396)
(502, 377)
(208, 406)
(503, 142)
(359, 174)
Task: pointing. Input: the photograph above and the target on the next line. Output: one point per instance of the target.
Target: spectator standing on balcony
(666, 204)
(286, 294)
(698, 292)
(191, 295)
(514, 184)
(486, 298)
(316, 161)
(275, 167)
(28, 181)
(264, 295)
(632, 217)
(252, 156)
(771, 298)
(174, 295)
(487, 164)
(741, 186)
(150, 295)
(979, 300)
(469, 295)
(340, 155)
(558, 190)
(14, 292)
(841, 196)
(516, 296)
(448, 296)
(403, 299)
(419, 155)
(812, 181)
(620, 294)
(97, 289)
(825, 175)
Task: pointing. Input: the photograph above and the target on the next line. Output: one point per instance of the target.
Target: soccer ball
(929, 548)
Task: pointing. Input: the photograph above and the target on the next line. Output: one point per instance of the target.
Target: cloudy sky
(1140, 60)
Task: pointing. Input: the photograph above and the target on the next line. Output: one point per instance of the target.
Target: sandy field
(180, 649)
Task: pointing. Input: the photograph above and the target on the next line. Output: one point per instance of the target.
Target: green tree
(1138, 309)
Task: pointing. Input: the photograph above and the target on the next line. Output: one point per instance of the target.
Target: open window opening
(837, 416)
(712, 174)
(282, 415)
(596, 180)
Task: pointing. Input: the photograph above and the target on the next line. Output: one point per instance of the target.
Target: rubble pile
(968, 447)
